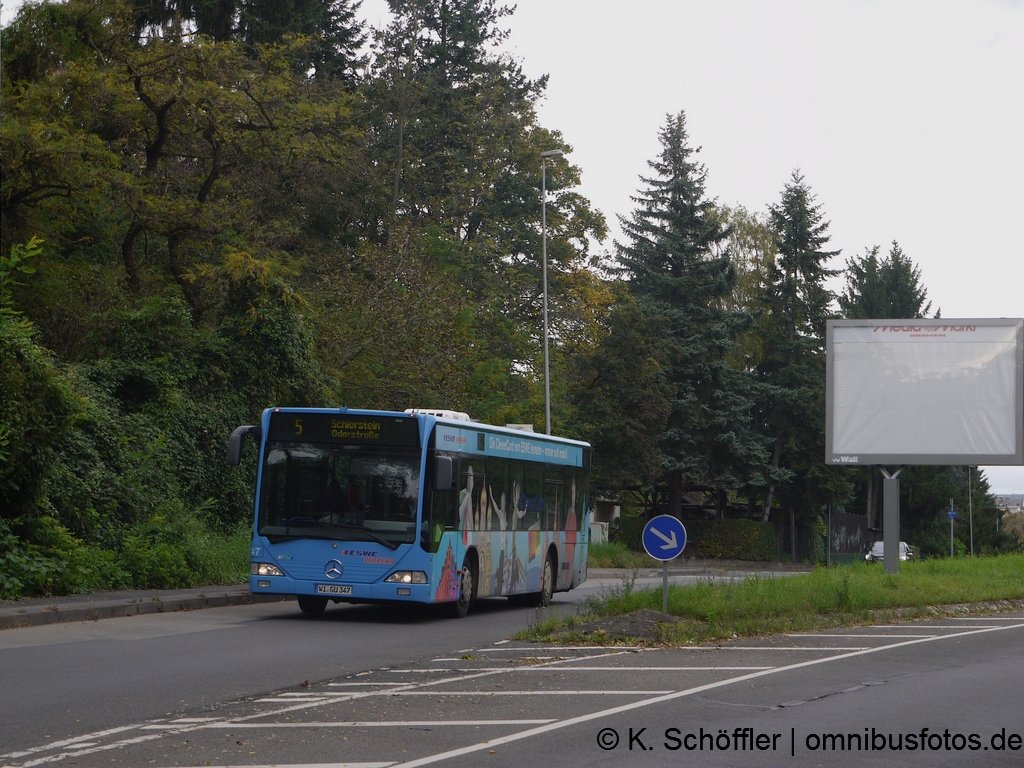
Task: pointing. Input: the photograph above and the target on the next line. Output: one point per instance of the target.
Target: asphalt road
(368, 686)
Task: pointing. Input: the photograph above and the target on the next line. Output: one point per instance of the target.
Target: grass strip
(822, 599)
(609, 554)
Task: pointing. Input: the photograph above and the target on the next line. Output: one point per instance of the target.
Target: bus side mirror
(235, 443)
(442, 473)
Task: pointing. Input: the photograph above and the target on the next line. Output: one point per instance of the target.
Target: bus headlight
(264, 569)
(406, 577)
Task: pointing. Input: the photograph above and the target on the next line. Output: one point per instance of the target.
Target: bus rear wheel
(312, 604)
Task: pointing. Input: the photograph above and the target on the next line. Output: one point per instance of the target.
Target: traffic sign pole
(952, 517)
(664, 538)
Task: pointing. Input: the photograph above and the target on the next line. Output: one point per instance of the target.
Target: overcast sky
(905, 118)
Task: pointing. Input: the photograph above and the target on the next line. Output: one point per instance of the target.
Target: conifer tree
(796, 305)
(681, 279)
(890, 288)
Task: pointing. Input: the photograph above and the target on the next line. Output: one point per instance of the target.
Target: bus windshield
(353, 493)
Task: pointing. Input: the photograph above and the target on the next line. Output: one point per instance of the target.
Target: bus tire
(312, 604)
(460, 607)
(547, 584)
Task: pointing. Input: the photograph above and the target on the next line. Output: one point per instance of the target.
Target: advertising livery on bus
(422, 506)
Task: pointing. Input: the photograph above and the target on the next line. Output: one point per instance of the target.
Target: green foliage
(36, 409)
(239, 215)
(731, 540)
(682, 284)
(713, 539)
(794, 307)
(610, 554)
(628, 531)
(623, 398)
(885, 289)
(825, 598)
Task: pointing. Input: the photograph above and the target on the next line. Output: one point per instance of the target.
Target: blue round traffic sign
(664, 537)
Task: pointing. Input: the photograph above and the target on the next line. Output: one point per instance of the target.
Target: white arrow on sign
(670, 542)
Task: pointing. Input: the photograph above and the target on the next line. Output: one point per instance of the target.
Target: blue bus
(364, 506)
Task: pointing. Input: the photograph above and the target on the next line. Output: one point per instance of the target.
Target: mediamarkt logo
(925, 328)
(848, 459)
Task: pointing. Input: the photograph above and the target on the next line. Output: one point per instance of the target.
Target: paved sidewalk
(130, 602)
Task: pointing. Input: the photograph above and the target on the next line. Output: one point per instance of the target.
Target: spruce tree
(681, 278)
(890, 288)
(797, 305)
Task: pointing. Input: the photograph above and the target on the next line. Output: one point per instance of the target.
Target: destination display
(519, 446)
(338, 427)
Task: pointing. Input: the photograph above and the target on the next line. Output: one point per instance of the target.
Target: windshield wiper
(371, 534)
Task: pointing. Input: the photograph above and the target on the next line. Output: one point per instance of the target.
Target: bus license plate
(333, 589)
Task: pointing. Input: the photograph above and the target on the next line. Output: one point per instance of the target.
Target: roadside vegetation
(205, 213)
(612, 554)
(822, 599)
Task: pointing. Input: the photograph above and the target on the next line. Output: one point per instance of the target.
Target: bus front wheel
(312, 604)
(461, 606)
(547, 584)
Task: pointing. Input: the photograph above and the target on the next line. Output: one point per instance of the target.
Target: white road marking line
(491, 743)
(649, 669)
(777, 647)
(365, 684)
(382, 724)
(310, 765)
(105, 747)
(959, 627)
(559, 648)
(70, 742)
(862, 634)
(475, 674)
(278, 700)
(559, 692)
(238, 721)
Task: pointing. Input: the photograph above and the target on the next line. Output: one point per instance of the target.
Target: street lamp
(544, 238)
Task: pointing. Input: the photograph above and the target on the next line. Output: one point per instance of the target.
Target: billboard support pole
(891, 519)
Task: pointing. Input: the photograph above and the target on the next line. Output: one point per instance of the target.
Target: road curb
(40, 615)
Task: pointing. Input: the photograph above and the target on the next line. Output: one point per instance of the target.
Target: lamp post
(544, 239)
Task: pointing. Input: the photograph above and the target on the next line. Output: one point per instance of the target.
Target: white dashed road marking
(290, 704)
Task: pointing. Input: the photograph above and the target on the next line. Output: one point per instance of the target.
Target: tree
(182, 151)
(453, 126)
(796, 306)
(885, 289)
(682, 287)
(337, 35)
(622, 398)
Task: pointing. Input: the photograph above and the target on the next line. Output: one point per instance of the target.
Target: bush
(714, 539)
(730, 539)
(628, 530)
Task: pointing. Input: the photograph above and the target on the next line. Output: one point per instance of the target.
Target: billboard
(925, 392)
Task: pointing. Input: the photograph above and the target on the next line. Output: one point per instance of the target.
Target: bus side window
(471, 481)
(531, 505)
(439, 513)
(554, 498)
(498, 496)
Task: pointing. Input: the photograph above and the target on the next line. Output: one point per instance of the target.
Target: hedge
(713, 539)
